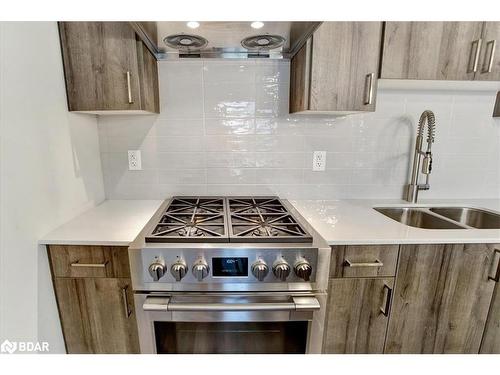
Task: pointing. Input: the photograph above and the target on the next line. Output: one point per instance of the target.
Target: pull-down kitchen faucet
(428, 118)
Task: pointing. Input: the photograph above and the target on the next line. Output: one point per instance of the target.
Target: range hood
(211, 39)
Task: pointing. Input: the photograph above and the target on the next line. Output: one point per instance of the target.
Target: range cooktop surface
(227, 219)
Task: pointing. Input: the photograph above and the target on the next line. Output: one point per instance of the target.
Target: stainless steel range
(229, 275)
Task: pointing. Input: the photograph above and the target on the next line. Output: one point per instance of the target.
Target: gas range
(208, 271)
(227, 244)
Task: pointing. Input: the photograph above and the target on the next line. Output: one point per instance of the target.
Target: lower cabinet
(96, 303)
(358, 311)
(359, 298)
(442, 298)
(97, 315)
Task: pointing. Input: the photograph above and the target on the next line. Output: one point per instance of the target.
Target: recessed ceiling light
(257, 24)
(193, 24)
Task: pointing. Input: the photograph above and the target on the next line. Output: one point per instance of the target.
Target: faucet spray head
(427, 163)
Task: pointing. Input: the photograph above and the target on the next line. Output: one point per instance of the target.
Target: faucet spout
(422, 161)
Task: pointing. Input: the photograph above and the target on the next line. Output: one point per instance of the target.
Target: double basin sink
(443, 217)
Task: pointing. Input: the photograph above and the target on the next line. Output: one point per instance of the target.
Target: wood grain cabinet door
(344, 66)
(97, 315)
(337, 69)
(489, 64)
(491, 337)
(441, 298)
(357, 316)
(431, 50)
(100, 65)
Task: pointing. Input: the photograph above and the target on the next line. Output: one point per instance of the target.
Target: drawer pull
(474, 56)
(488, 63)
(387, 300)
(369, 78)
(377, 263)
(129, 89)
(496, 278)
(127, 311)
(93, 265)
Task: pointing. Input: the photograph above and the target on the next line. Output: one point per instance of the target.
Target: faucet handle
(427, 163)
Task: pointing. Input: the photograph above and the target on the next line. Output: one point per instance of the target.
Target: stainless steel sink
(417, 217)
(472, 217)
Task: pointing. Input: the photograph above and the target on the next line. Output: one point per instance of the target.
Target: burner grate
(191, 219)
(263, 220)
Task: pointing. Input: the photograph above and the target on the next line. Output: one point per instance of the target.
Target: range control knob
(303, 269)
(260, 269)
(281, 269)
(200, 269)
(157, 269)
(178, 269)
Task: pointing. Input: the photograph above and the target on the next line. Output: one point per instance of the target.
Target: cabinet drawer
(364, 261)
(89, 261)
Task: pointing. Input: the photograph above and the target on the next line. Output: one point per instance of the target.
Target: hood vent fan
(186, 42)
(264, 42)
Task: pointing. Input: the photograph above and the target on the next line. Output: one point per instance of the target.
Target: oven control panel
(230, 266)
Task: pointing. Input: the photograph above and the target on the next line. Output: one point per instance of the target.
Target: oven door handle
(295, 304)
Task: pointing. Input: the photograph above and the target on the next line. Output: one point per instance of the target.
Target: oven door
(229, 323)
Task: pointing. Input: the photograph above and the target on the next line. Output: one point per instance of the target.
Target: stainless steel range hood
(211, 39)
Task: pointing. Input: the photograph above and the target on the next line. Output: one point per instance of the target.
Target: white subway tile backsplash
(185, 127)
(282, 159)
(278, 143)
(224, 128)
(231, 176)
(180, 160)
(180, 144)
(229, 143)
(222, 71)
(230, 159)
(181, 89)
(183, 176)
(230, 126)
(278, 176)
(230, 99)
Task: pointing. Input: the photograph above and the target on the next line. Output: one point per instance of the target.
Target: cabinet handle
(129, 89)
(487, 66)
(377, 263)
(496, 278)
(384, 309)
(369, 78)
(127, 311)
(94, 265)
(474, 56)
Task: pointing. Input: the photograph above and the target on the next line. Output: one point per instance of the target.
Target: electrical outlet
(134, 160)
(319, 161)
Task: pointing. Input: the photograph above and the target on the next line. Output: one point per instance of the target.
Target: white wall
(224, 128)
(50, 171)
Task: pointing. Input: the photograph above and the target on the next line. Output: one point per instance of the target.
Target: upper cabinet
(441, 51)
(108, 69)
(337, 69)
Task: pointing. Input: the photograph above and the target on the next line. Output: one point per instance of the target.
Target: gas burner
(265, 229)
(190, 231)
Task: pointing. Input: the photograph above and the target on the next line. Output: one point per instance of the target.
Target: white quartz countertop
(355, 222)
(340, 222)
(112, 223)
